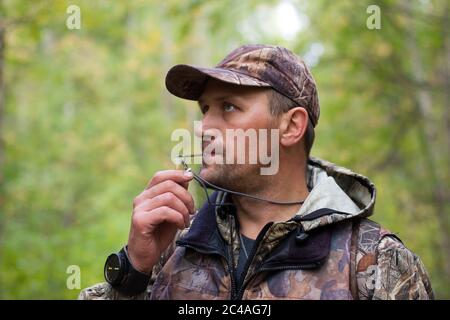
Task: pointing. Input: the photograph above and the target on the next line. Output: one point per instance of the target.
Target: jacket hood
(344, 193)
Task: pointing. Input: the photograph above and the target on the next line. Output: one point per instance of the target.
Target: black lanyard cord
(208, 185)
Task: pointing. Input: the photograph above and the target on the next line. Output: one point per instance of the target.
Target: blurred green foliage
(86, 118)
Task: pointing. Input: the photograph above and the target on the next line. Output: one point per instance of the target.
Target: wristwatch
(122, 276)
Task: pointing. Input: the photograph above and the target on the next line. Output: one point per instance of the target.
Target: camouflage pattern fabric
(364, 261)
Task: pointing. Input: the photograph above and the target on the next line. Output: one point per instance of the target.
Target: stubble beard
(236, 177)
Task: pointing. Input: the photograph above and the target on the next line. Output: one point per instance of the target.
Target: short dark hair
(279, 104)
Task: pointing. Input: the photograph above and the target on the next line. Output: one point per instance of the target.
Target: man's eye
(228, 107)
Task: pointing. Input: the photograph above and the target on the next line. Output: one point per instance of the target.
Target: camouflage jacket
(328, 250)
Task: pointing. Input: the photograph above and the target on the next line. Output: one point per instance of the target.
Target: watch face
(113, 269)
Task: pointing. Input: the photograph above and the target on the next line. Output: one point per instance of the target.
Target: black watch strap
(132, 281)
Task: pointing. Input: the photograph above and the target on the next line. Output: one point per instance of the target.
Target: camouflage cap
(252, 65)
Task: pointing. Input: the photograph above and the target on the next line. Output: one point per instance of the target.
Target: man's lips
(211, 154)
(212, 150)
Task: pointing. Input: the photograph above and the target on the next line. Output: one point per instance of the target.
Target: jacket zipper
(227, 259)
(230, 261)
(232, 277)
(261, 235)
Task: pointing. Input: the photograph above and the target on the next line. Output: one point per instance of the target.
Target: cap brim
(188, 82)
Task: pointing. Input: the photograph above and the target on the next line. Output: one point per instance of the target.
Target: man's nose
(208, 128)
(206, 134)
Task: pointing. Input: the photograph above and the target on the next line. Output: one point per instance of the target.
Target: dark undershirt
(242, 258)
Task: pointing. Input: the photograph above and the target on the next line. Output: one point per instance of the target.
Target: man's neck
(286, 185)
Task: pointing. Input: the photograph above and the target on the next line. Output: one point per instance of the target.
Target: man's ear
(293, 126)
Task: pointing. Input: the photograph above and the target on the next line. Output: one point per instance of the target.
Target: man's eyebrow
(219, 98)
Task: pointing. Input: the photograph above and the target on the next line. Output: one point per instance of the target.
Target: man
(300, 233)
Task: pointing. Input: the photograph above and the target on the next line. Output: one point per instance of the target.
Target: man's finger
(165, 214)
(179, 176)
(167, 199)
(167, 186)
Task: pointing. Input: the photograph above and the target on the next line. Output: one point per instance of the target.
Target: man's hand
(162, 208)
